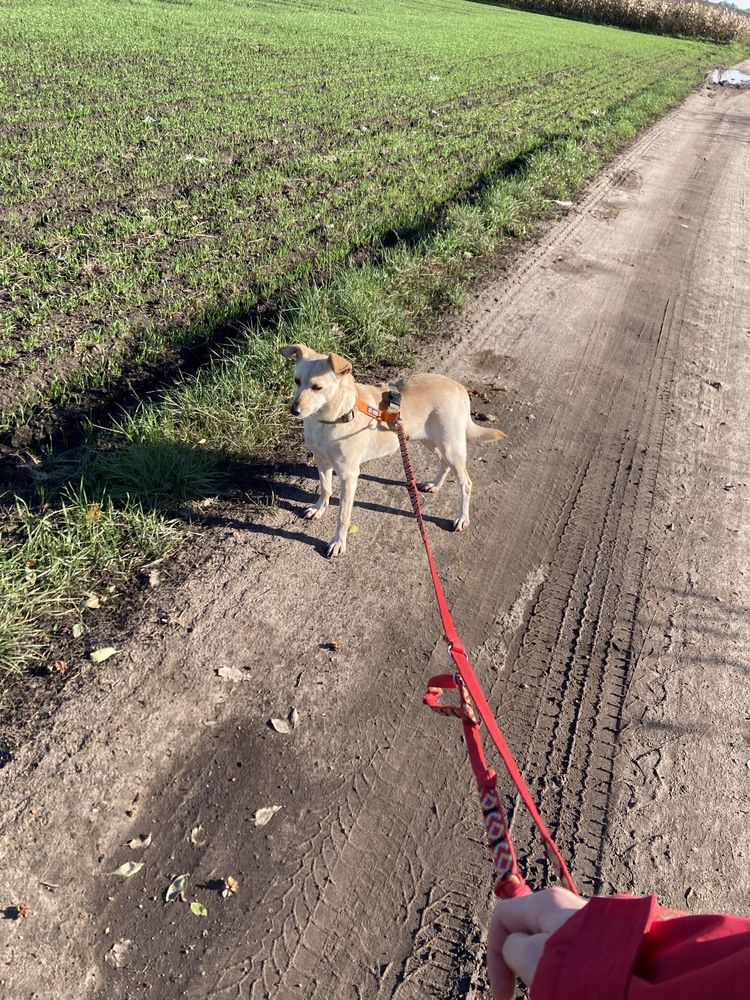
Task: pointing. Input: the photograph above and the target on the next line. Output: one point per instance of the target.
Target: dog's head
(317, 378)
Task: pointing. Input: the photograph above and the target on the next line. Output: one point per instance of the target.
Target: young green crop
(165, 167)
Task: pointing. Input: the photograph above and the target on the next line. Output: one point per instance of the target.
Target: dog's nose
(295, 408)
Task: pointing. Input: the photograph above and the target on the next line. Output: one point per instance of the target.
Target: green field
(167, 166)
(164, 166)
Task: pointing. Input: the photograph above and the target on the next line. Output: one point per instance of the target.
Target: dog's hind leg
(434, 484)
(455, 456)
(318, 509)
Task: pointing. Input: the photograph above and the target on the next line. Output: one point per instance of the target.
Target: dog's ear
(294, 351)
(339, 365)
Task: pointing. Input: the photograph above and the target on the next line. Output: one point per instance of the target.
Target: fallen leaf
(154, 578)
(31, 564)
(175, 887)
(100, 655)
(60, 667)
(198, 909)
(294, 717)
(231, 885)
(353, 529)
(118, 952)
(280, 725)
(129, 869)
(264, 815)
(21, 911)
(138, 843)
(94, 512)
(234, 674)
(198, 836)
(334, 645)
(93, 602)
(77, 630)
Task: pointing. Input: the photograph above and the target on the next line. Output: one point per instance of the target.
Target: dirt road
(603, 591)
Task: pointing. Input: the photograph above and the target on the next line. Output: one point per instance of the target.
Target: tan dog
(434, 410)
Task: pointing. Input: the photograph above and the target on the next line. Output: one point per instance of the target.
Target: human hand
(519, 929)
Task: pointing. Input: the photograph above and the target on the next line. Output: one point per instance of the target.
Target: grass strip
(56, 557)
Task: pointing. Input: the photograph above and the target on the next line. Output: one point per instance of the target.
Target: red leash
(510, 881)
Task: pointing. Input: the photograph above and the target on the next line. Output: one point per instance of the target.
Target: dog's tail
(476, 433)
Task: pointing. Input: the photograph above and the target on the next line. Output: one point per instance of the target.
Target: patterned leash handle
(509, 879)
(472, 704)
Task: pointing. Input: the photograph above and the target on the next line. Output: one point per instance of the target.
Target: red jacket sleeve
(629, 948)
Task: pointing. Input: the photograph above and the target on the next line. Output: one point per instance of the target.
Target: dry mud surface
(603, 591)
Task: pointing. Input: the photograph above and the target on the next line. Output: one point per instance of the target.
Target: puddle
(731, 76)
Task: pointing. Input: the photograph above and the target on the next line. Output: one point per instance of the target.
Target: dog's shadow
(286, 494)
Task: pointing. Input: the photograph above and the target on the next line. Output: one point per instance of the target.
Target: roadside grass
(54, 558)
(114, 505)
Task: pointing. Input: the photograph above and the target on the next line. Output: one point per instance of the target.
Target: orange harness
(389, 416)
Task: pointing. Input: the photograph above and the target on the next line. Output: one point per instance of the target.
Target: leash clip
(441, 682)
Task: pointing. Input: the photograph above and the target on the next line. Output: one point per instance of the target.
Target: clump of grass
(51, 558)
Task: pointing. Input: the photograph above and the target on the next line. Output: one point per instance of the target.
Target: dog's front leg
(318, 509)
(347, 490)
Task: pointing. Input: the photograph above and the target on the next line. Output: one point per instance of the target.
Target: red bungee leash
(510, 882)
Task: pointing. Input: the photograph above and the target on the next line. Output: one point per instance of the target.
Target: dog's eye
(315, 388)
(296, 381)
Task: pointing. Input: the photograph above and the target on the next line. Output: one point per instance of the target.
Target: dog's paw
(461, 524)
(336, 548)
(428, 487)
(314, 512)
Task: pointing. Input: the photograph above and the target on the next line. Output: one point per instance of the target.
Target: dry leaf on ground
(100, 655)
(128, 869)
(264, 815)
(231, 885)
(118, 952)
(175, 887)
(138, 843)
